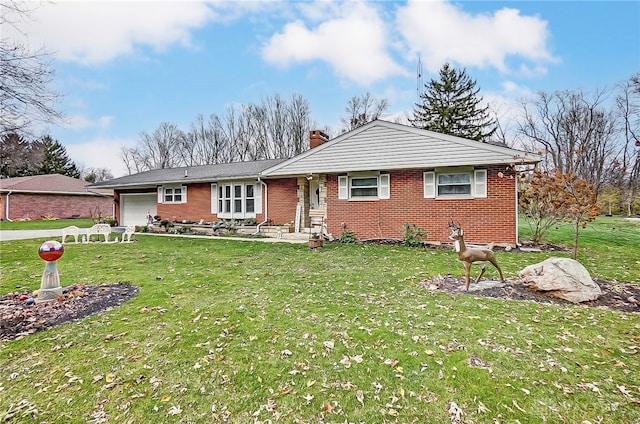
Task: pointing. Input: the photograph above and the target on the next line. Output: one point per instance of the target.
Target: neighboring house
(371, 181)
(52, 195)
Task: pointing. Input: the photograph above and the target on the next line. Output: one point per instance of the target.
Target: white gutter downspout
(517, 208)
(266, 202)
(6, 213)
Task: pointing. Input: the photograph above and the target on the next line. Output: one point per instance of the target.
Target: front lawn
(46, 224)
(246, 331)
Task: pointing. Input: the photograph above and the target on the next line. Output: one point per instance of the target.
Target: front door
(314, 194)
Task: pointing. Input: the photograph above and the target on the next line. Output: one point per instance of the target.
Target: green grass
(45, 224)
(244, 332)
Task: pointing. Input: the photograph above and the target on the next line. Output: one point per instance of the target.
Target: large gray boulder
(563, 278)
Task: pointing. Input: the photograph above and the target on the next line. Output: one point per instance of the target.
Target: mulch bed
(18, 319)
(615, 296)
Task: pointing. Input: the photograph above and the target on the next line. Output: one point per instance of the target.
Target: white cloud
(353, 42)
(442, 32)
(80, 122)
(100, 153)
(96, 32)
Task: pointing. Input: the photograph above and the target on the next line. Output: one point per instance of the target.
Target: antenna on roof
(419, 79)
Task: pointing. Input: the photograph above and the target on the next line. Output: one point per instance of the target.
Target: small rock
(632, 299)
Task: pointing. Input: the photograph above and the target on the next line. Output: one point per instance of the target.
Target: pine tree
(15, 158)
(56, 160)
(452, 106)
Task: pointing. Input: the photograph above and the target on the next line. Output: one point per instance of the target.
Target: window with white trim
(452, 183)
(173, 194)
(363, 186)
(458, 184)
(236, 200)
(249, 199)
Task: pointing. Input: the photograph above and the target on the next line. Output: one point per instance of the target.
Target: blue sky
(125, 67)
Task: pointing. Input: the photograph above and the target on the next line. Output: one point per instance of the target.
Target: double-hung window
(363, 186)
(454, 184)
(451, 183)
(172, 194)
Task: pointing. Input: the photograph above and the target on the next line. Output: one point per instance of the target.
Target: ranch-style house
(371, 181)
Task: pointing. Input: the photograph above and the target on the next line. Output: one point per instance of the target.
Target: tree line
(592, 137)
(272, 129)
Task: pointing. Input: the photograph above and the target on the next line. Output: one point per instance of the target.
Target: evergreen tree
(55, 159)
(452, 106)
(15, 156)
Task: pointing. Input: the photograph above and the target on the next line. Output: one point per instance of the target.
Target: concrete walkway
(7, 235)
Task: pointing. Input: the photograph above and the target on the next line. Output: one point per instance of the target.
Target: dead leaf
(455, 413)
(174, 410)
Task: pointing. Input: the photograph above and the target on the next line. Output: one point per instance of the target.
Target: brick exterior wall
(485, 220)
(283, 199)
(37, 205)
(198, 206)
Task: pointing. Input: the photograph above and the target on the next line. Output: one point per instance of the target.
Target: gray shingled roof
(192, 174)
(50, 183)
(382, 145)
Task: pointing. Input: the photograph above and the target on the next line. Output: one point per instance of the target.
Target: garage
(134, 207)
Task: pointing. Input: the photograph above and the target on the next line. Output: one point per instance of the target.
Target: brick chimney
(316, 138)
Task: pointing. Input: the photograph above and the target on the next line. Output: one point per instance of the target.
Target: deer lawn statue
(471, 256)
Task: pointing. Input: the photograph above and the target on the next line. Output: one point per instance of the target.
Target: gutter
(266, 202)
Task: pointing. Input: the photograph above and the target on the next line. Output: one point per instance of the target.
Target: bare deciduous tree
(361, 110)
(625, 173)
(26, 97)
(96, 175)
(573, 131)
(275, 128)
(158, 150)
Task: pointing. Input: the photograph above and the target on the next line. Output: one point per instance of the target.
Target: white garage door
(134, 207)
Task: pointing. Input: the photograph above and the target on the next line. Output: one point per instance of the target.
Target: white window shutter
(257, 196)
(184, 194)
(429, 178)
(343, 187)
(160, 194)
(214, 198)
(384, 190)
(480, 182)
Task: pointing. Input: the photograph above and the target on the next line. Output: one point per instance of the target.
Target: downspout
(517, 208)
(266, 202)
(6, 213)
